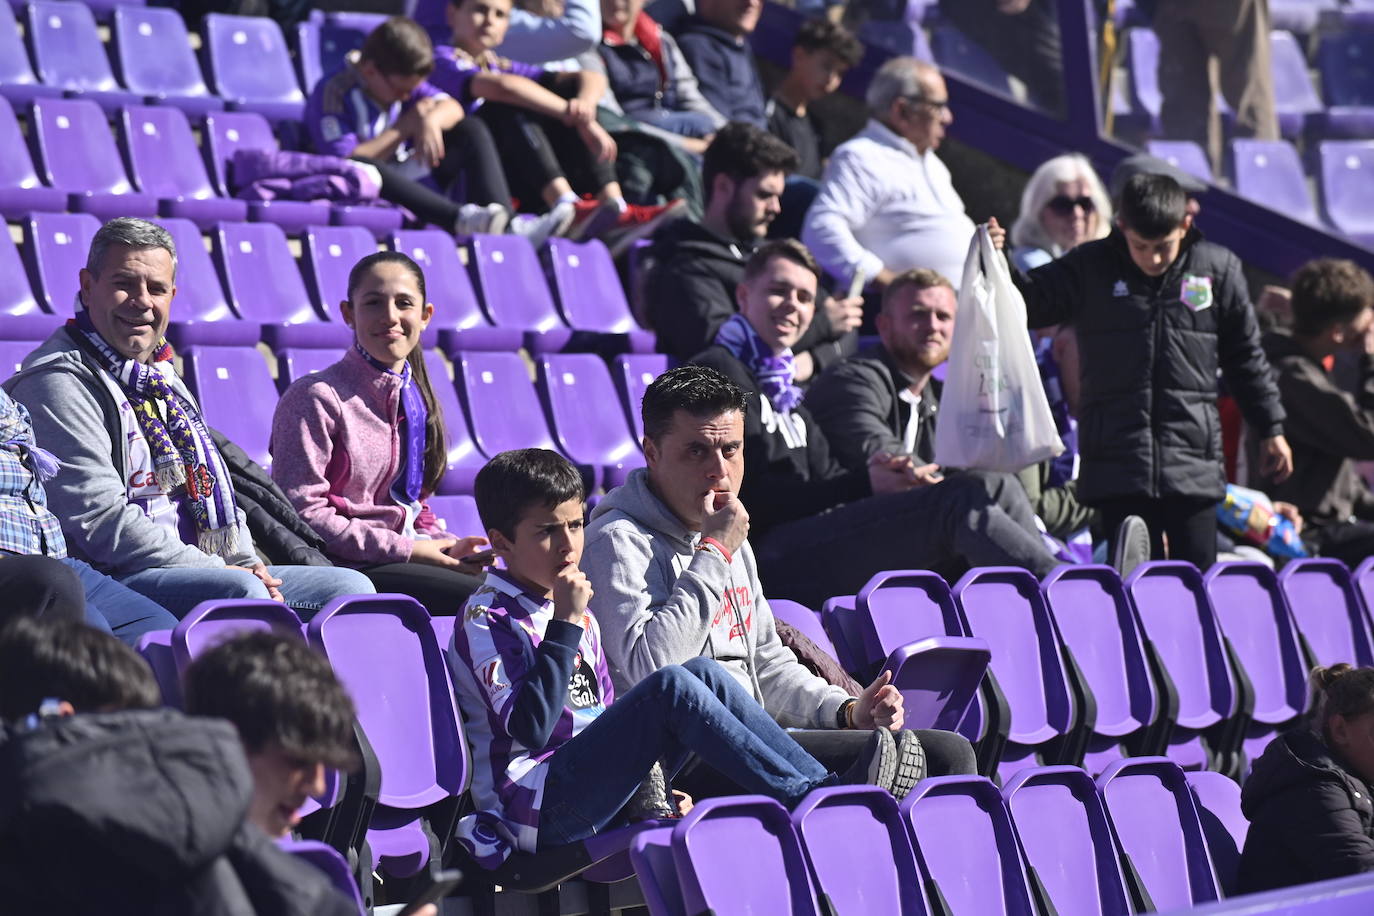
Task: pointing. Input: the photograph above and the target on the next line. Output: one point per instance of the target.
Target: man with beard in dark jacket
(1158, 310)
(697, 267)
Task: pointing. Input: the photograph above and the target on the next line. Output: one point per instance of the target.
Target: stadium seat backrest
(16, 298)
(511, 283)
(446, 279)
(228, 131)
(321, 46)
(1184, 155)
(1293, 89)
(1347, 184)
(297, 362)
(501, 403)
(67, 47)
(163, 156)
(14, 60)
(1223, 823)
(464, 458)
(328, 253)
(1269, 172)
(965, 843)
(334, 866)
(804, 620)
(896, 607)
(859, 852)
(458, 515)
(588, 288)
(236, 394)
(1143, 66)
(1345, 59)
(75, 146)
(249, 60)
(16, 166)
(200, 295)
(155, 648)
(633, 372)
(154, 53)
(1067, 839)
(264, 284)
(715, 877)
(585, 412)
(651, 854)
(1332, 619)
(1156, 824)
(57, 244)
(211, 622)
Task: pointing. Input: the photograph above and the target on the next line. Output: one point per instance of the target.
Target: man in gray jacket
(143, 492)
(675, 578)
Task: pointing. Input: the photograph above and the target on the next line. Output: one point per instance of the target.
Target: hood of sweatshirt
(637, 500)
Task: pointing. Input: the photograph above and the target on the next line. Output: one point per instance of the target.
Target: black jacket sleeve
(852, 404)
(687, 305)
(1325, 833)
(1242, 360)
(1053, 292)
(1323, 415)
(544, 692)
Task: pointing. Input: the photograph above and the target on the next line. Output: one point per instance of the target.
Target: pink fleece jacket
(336, 450)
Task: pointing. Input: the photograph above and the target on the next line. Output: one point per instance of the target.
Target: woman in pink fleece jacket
(358, 446)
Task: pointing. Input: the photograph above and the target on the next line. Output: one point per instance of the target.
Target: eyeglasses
(1064, 206)
(937, 106)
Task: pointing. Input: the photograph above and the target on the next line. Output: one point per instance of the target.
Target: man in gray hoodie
(669, 557)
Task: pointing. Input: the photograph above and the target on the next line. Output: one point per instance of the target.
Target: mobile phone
(856, 284)
(480, 558)
(440, 883)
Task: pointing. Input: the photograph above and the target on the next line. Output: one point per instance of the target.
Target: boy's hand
(572, 591)
(579, 113)
(724, 518)
(435, 551)
(880, 705)
(1276, 459)
(996, 233)
(598, 141)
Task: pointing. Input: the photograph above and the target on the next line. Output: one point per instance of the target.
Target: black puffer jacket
(1310, 818)
(279, 533)
(1148, 423)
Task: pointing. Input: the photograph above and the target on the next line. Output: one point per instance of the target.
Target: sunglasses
(1064, 206)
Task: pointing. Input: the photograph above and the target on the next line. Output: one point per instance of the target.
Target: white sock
(566, 198)
(620, 204)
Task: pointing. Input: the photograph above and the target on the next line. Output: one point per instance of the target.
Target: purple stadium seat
(446, 281)
(211, 622)
(1004, 606)
(1102, 633)
(17, 82)
(512, 288)
(155, 60)
(1363, 576)
(464, 458)
(585, 415)
(1269, 173)
(897, 37)
(501, 402)
(328, 253)
(1158, 831)
(457, 514)
(1063, 829)
(385, 652)
(1295, 100)
(632, 374)
(1142, 67)
(858, 852)
(321, 46)
(20, 190)
(16, 298)
(1176, 616)
(1257, 624)
(1333, 621)
(1223, 823)
(250, 66)
(804, 620)
(590, 293)
(294, 362)
(651, 854)
(264, 286)
(67, 53)
(156, 649)
(1345, 60)
(1184, 155)
(228, 131)
(165, 162)
(1349, 896)
(714, 877)
(77, 153)
(328, 860)
(1347, 187)
(57, 244)
(201, 312)
(236, 393)
(966, 844)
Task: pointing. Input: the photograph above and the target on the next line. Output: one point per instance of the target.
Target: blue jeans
(696, 707)
(305, 589)
(117, 608)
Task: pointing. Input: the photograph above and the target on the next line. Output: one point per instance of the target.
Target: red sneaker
(640, 221)
(592, 218)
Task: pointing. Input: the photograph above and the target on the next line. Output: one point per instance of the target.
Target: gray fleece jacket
(77, 419)
(660, 601)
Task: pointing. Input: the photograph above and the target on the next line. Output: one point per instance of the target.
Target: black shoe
(911, 763)
(1132, 545)
(877, 763)
(650, 801)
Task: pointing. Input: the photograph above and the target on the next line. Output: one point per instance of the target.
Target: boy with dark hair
(822, 53)
(1158, 310)
(1330, 428)
(555, 760)
(292, 714)
(82, 668)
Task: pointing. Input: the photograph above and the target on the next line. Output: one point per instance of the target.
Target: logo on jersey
(1197, 292)
(1120, 291)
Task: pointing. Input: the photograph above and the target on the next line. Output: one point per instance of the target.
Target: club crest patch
(1120, 291)
(1197, 292)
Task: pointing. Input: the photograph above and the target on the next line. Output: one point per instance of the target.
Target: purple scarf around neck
(405, 489)
(775, 372)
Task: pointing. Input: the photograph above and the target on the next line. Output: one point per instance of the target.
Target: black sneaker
(911, 763)
(1132, 545)
(877, 763)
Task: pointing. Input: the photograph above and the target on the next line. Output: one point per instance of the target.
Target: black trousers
(1190, 523)
(38, 586)
(536, 150)
(442, 591)
(1350, 542)
(470, 172)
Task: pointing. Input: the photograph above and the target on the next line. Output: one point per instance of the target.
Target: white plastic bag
(993, 412)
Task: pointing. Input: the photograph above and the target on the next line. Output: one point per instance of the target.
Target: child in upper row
(544, 123)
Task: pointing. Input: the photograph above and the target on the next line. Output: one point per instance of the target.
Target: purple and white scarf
(775, 372)
(410, 478)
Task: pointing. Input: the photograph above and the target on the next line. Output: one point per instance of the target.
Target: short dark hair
(42, 657)
(1328, 290)
(919, 278)
(821, 34)
(399, 47)
(1152, 206)
(789, 249)
(742, 151)
(279, 693)
(701, 391)
(510, 484)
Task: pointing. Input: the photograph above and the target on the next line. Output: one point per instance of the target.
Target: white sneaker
(539, 229)
(476, 219)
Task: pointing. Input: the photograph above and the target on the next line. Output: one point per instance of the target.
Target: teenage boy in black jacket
(1158, 310)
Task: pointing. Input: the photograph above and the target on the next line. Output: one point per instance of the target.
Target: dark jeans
(470, 172)
(972, 518)
(1349, 542)
(443, 592)
(693, 708)
(536, 150)
(1190, 523)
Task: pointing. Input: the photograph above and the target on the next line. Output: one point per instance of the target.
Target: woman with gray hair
(1064, 204)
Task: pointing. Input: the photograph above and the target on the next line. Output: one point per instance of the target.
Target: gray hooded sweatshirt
(660, 601)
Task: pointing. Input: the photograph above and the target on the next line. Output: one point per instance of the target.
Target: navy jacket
(725, 70)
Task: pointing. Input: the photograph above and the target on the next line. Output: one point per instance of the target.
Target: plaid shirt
(26, 525)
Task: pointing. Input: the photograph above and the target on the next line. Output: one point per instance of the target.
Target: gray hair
(130, 232)
(1027, 231)
(899, 78)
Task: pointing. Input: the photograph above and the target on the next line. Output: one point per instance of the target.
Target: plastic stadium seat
(446, 281)
(804, 620)
(458, 514)
(12, 355)
(464, 458)
(296, 362)
(155, 60)
(328, 253)
(155, 647)
(328, 860)
(1295, 100)
(1269, 173)
(1347, 187)
(1142, 63)
(589, 291)
(264, 286)
(1363, 576)
(1158, 831)
(651, 854)
(228, 131)
(385, 652)
(250, 66)
(321, 46)
(17, 82)
(1182, 154)
(965, 841)
(67, 53)
(585, 415)
(858, 852)
(211, 622)
(1223, 823)
(502, 404)
(77, 153)
(1332, 619)
(165, 162)
(201, 313)
(1102, 633)
(1345, 60)
(236, 394)
(512, 288)
(16, 298)
(632, 374)
(1063, 828)
(57, 245)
